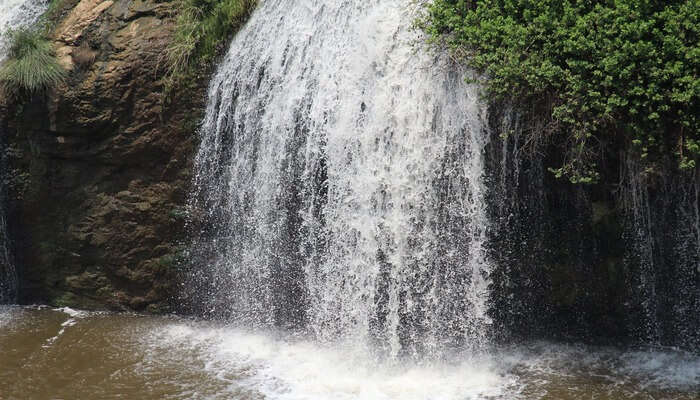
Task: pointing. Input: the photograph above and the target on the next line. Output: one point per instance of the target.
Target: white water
(294, 370)
(16, 14)
(288, 369)
(340, 170)
(13, 14)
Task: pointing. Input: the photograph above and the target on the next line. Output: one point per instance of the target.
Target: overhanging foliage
(588, 72)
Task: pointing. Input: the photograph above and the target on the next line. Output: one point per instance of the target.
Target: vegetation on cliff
(586, 75)
(31, 65)
(202, 28)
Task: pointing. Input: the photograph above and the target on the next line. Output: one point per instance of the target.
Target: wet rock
(104, 163)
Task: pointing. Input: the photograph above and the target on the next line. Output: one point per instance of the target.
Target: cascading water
(13, 14)
(339, 181)
(8, 275)
(340, 190)
(589, 262)
(662, 260)
(639, 257)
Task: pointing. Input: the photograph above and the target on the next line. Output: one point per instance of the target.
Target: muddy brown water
(66, 354)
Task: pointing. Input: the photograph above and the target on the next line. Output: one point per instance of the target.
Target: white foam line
(73, 317)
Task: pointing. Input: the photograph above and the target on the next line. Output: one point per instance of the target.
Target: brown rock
(106, 164)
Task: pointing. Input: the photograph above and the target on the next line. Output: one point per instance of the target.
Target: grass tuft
(203, 26)
(31, 65)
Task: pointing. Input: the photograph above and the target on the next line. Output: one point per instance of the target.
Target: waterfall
(339, 182)
(588, 262)
(662, 261)
(8, 275)
(13, 14)
(639, 257)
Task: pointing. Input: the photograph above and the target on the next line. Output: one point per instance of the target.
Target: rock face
(100, 164)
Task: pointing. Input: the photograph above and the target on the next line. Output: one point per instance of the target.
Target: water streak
(8, 274)
(663, 254)
(577, 261)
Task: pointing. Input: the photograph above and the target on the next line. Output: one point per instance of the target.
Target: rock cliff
(100, 165)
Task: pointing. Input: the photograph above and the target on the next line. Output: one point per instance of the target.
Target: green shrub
(203, 26)
(31, 65)
(586, 75)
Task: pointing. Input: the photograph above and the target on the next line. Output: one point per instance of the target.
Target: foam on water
(285, 368)
(146, 357)
(73, 313)
(663, 369)
(297, 369)
(6, 315)
(73, 317)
